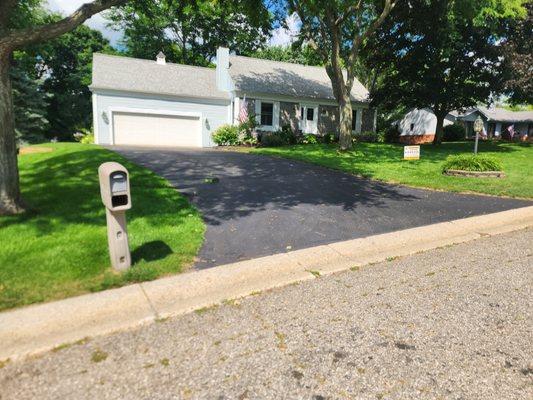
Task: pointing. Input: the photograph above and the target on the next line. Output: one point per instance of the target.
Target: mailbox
(116, 196)
(114, 186)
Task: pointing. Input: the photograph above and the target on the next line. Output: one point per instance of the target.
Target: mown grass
(383, 162)
(59, 247)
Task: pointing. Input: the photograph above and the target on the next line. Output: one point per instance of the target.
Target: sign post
(411, 153)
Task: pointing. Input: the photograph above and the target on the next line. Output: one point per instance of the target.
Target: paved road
(261, 205)
(452, 323)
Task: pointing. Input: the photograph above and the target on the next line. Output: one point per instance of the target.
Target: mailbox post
(115, 192)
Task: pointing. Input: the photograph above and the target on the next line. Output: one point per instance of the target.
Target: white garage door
(156, 130)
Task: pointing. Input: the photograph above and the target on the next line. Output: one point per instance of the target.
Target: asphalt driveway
(258, 205)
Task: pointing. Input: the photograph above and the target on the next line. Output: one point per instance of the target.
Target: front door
(309, 119)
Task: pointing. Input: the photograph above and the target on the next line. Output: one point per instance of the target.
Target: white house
(144, 102)
(419, 126)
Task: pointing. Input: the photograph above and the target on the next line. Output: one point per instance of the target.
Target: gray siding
(328, 120)
(214, 112)
(289, 115)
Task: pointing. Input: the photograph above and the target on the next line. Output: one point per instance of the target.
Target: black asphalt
(262, 205)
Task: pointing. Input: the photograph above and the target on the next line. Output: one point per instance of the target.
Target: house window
(310, 114)
(354, 119)
(412, 127)
(267, 113)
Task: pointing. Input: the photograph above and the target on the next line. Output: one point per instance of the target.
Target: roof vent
(161, 59)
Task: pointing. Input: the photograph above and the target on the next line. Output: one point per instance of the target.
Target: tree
(29, 101)
(518, 51)
(189, 31)
(452, 63)
(65, 63)
(336, 29)
(14, 35)
(298, 54)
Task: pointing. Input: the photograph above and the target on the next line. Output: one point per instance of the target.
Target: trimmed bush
(226, 135)
(453, 133)
(283, 137)
(472, 162)
(368, 137)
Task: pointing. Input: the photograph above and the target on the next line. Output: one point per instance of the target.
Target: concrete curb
(34, 329)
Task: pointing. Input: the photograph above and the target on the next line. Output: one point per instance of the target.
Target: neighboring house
(497, 121)
(143, 102)
(419, 126)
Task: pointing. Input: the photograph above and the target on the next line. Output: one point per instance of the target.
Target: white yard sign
(411, 153)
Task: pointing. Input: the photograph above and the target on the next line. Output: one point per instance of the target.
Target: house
(144, 102)
(497, 121)
(419, 126)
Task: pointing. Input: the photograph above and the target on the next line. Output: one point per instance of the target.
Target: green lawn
(384, 162)
(59, 247)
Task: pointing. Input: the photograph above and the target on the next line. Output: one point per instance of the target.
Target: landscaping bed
(384, 162)
(59, 247)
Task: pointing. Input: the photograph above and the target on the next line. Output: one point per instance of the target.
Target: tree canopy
(452, 63)
(190, 31)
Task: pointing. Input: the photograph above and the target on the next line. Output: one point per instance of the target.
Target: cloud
(282, 36)
(96, 22)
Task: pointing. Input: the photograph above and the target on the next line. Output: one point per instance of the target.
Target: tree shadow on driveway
(260, 205)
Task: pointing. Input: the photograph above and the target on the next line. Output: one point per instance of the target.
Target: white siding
(213, 112)
(422, 122)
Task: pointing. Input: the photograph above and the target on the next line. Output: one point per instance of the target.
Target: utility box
(116, 196)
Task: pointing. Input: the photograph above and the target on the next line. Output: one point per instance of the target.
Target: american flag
(243, 112)
(511, 131)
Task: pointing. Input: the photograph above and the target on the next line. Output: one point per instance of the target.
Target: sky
(280, 36)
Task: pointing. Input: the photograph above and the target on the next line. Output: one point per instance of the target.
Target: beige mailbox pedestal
(115, 192)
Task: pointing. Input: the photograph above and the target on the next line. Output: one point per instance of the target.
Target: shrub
(283, 137)
(247, 134)
(309, 138)
(330, 138)
(370, 137)
(84, 136)
(453, 133)
(472, 162)
(87, 139)
(273, 139)
(226, 135)
(391, 135)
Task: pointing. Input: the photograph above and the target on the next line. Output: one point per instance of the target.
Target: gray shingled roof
(254, 75)
(503, 115)
(146, 76)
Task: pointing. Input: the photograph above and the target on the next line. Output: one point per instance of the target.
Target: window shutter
(275, 117)
(258, 112)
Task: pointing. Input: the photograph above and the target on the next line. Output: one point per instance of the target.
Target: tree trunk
(10, 201)
(439, 130)
(345, 123)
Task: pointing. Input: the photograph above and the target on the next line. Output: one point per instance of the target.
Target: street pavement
(255, 205)
(451, 323)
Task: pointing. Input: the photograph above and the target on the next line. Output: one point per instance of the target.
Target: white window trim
(358, 119)
(112, 110)
(275, 115)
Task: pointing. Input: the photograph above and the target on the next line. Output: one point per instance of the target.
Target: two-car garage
(152, 103)
(150, 129)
